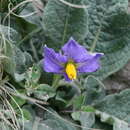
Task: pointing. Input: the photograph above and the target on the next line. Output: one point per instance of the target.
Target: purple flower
(75, 59)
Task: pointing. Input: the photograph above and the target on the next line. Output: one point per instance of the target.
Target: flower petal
(53, 61)
(75, 51)
(90, 65)
(66, 77)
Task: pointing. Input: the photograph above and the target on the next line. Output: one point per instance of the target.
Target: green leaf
(19, 77)
(19, 102)
(33, 74)
(86, 119)
(87, 109)
(19, 58)
(50, 121)
(36, 125)
(28, 58)
(78, 101)
(44, 92)
(46, 88)
(4, 126)
(101, 125)
(61, 21)
(45, 77)
(4, 6)
(9, 34)
(111, 119)
(31, 13)
(26, 114)
(56, 122)
(116, 105)
(109, 29)
(16, 62)
(9, 63)
(60, 98)
(95, 90)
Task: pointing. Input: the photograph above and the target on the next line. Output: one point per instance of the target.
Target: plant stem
(34, 51)
(95, 40)
(56, 80)
(28, 36)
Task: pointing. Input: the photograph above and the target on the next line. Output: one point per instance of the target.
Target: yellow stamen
(71, 71)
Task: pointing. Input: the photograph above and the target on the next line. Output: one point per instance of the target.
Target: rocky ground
(119, 80)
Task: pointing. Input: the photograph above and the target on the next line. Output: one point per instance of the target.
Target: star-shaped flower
(75, 59)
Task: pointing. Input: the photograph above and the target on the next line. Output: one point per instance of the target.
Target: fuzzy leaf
(16, 61)
(36, 125)
(95, 90)
(56, 122)
(109, 25)
(110, 119)
(117, 105)
(44, 92)
(62, 21)
(86, 119)
(31, 13)
(17, 100)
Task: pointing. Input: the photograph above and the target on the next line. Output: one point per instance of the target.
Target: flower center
(71, 71)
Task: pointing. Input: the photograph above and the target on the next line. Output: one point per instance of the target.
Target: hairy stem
(95, 40)
(56, 80)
